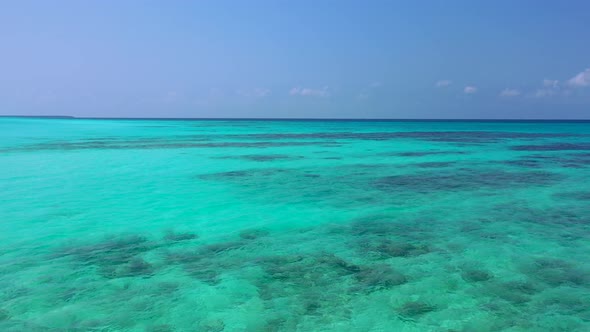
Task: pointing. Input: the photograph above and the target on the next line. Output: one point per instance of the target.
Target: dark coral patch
(476, 275)
(434, 136)
(568, 303)
(262, 157)
(215, 325)
(463, 179)
(415, 309)
(275, 325)
(527, 163)
(433, 164)
(377, 277)
(388, 248)
(177, 237)
(567, 160)
(160, 328)
(368, 233)
(114, 257)
(553, 147)
(338, 263)
(151, 144)
(575, 195)
(556, 272)
(523, 287)
(549, 216)
(220, 247)
(4, 315)
(137, 267)
(230, 174)
(376, 225)
(575, 160)
(204, 252)
(309, 283)
(254, 173)
(204, 262)
(294, 268)
(516, 292)
(204, 271)
(422, 153)
(253, 234)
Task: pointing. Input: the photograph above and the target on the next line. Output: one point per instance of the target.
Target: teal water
(147, 225)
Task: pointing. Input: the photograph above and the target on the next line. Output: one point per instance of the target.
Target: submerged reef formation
(414, 309)
(283, 226)
(553, 147)
(263, 157)
(176, 237)
(476, 137)
(464, 179)
(114, 257)
(476, 275)
(563, 160)
(319, 276)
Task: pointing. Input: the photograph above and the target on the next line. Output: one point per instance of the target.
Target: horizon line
(71, 117)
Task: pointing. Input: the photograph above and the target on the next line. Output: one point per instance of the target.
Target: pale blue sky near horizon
(296, 59)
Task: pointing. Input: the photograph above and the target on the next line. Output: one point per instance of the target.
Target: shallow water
(146, 225)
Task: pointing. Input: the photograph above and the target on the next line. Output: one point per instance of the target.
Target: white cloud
(323, 92)
(254, 93)
(581, 80)
(470, 89)
(540, 93)
(550, 88)
(443, 83)
(510, 93)
(551, 83)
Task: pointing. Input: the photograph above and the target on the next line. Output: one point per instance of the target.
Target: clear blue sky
(343, 59)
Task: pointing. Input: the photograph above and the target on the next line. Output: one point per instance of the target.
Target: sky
(414, 59)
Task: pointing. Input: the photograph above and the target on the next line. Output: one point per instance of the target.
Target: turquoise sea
(162, 225)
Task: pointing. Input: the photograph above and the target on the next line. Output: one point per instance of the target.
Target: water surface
(149, 225)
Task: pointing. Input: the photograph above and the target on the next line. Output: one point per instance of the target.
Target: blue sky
(321, 59)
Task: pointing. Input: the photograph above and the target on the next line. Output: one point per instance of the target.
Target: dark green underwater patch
(463, 179)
